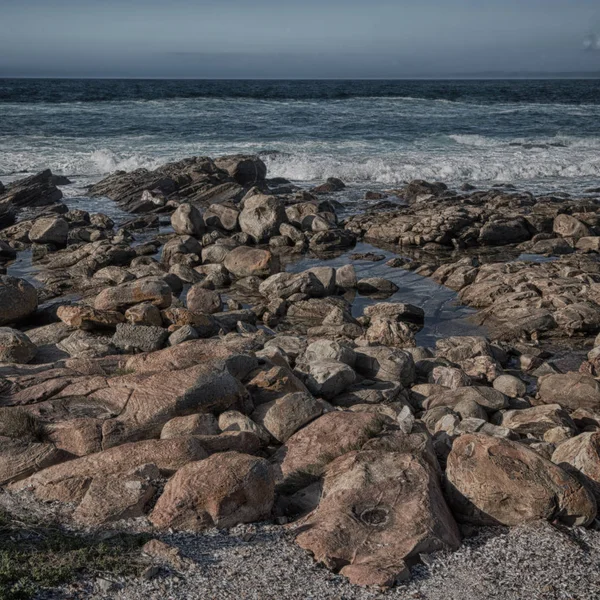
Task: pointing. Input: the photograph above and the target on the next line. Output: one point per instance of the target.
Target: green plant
(34, 556)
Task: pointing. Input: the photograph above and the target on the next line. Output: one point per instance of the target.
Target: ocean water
(539, 135)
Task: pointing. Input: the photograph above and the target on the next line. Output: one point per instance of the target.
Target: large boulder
(385, 364)
(311, 448)
(187, 220)
(18, 299)
(245, 169)
(15, 346)
(495, 481)
(139, 338)
(69, 482)
(246, 262)
(378, 511)
(222, 491)
(569, 227)
(261, 217)
(21, 458)
(582, 454)
(203, 301)
(49, 230)
(121, 297)
(571, 391)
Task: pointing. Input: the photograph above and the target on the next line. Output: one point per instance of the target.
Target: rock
(87, 318)
(49, 231)
(323, 350)
(222, 491)
(114, 498)
(245, 169)
(198, 424)
(144, 313)
(69, 482)
(203, 301)
(183, 334)
(503, 232)
(246, 262)
(314, 446)
(121, 297)
(385, 364)
(449, 377)
(571, 391)
(36, 190)
(79, 437)
(233, 420)
(20, 458)
(284, 285)
(328, 378)
(187, 220)
(333, 184)
(398, 512)
(510, 386)
(222, 216)
(83, 344)
(261, 217)
(345, 277)
(389, 332)
(569, 227)
(286, 415)
(139, 338)
(182, 249)
(15, 347)
(488, 398)
(495, 481)
(537, 420)
(165, 553)
(397, 310)
(271, 383)
(376, 285)
(582, 454)
(18, 299)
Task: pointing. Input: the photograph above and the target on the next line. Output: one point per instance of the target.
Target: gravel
(532, 562)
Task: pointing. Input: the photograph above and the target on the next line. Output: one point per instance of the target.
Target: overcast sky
(290, 38)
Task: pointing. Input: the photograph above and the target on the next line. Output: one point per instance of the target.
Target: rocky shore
(179, 371)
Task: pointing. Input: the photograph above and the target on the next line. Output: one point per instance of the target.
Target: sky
(298, 39)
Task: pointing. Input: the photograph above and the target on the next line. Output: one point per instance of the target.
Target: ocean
(539, 135)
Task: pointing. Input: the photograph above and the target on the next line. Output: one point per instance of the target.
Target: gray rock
(18, 299)
(49, 231)
(139, 338)
(183, 334)
(203, 301)
(187, 220)
(328, 378)
(376, 285)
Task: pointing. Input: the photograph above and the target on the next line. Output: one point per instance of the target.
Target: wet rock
(376, 285)
(345, 277)
(15, 346)
(222, 491)
(494, 481)
(139, 338)
(121, 297)
(187, 220)
(333, 184)
(246, 262)
(398, 512)
(18, 299)
(183, 334)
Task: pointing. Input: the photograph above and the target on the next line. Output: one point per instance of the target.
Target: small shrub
(19, 424)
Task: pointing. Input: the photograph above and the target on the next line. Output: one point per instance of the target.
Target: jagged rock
(37, 190)
(398, 512)
(495, 481)
(245, 169)
(18, 299)
(222, 491)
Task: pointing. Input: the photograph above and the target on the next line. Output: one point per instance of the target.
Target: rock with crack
(378, 511)
(494, 481)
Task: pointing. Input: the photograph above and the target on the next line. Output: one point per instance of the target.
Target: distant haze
(298, 39)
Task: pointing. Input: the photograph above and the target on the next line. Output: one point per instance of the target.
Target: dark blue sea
(540, 135)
